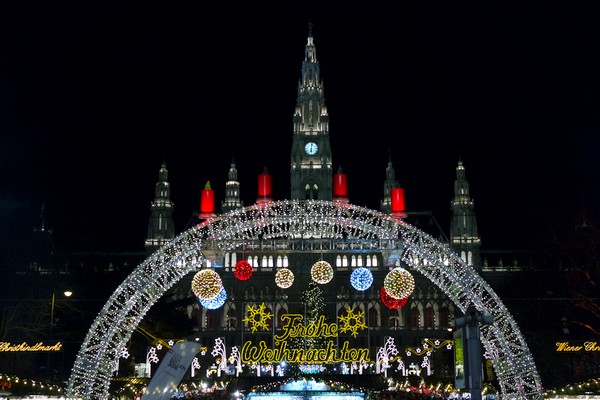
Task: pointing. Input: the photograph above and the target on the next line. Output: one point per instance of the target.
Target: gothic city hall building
(311, 284)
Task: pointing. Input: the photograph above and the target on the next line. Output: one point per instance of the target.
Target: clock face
(311, 148)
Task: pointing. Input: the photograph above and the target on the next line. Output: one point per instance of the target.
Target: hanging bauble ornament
(399, 283)
(242, 270)
(361, 278)
(391, 302)
(321, 272)
(284, 278)
(206, 284)
(215, 303)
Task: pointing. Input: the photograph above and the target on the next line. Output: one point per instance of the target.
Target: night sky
(93, 98)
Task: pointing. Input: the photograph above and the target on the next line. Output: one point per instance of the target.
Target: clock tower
(311, 169)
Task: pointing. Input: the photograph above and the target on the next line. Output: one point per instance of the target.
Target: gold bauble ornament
(399, 283)
(284, 278)
(321, 272)
(207, 284)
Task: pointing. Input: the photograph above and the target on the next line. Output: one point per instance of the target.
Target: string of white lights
(336, 221)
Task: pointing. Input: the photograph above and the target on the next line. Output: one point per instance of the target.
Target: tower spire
(389, 184)
(232, 199)
(311, 163)
(464, 238)
(161, 226)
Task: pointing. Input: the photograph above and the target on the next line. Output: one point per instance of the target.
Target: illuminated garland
(242, 270)
(321, 272)
(12, 382)
(399, 283)
(206, 284)
(287, 219)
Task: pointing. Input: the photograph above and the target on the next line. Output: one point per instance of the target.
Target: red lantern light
(391, 302)
(340, 185)
(243, 270)
(397, 197)
(207, 201)
(264, 186)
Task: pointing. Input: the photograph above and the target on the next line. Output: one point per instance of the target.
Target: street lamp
(469, 351)
(66, 293)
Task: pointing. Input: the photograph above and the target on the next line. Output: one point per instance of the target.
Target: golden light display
(321, 272)
(207, 284)
(149, 282)
(284, 278)
(399, 283)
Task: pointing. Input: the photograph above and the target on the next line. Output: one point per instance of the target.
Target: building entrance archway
(327, 220)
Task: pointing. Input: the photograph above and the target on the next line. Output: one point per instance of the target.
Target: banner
(171, 370)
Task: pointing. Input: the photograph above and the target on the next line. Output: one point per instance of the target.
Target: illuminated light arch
(336, 221)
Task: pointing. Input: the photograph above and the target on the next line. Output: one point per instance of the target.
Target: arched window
(444, 317)
(373, 317)
(429, 317)
(231, 319)
(394, 319)
(414, 317)
(268, 310)
(338, 261)
(342, 310)
(279, 323)
(212, 319)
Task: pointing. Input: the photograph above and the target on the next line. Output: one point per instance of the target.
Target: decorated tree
(314, 306)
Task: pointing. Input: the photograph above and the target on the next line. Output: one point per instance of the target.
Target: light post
(66, 293)
(468, 342)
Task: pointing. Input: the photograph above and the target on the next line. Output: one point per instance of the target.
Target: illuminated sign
(329, 354)
(24, 346)
(566, 347)
(294, 328)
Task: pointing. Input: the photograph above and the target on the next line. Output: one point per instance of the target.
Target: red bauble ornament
(391, 302)
(242, 270)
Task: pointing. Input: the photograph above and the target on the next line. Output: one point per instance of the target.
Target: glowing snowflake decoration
(257, 317)
(352, 322)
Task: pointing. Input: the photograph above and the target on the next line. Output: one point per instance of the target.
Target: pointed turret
(464, 239)
(233, 198)
(389, 184)
(161, 227)
(311, 165)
